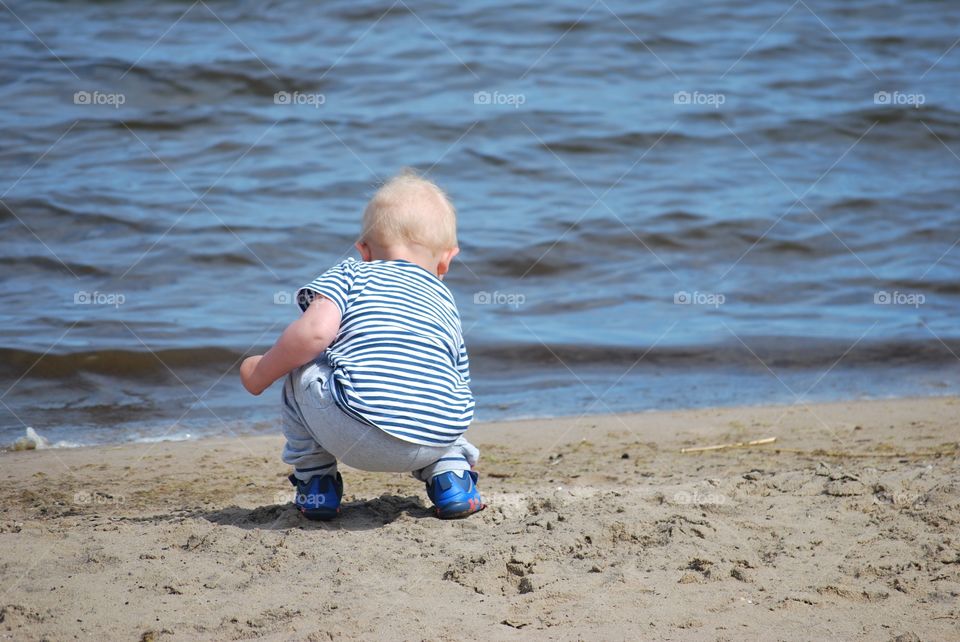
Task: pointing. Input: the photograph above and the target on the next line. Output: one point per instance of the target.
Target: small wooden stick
(739, 444)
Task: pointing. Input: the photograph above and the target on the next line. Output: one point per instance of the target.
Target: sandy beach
(597, 528)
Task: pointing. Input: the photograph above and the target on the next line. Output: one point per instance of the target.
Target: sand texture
(598, 528)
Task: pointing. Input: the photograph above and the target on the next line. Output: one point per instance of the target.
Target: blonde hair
(410, 209)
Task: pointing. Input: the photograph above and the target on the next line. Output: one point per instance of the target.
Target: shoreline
(596, 526)
(477, 425)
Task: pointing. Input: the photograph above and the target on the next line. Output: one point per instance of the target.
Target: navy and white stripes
(399, 360)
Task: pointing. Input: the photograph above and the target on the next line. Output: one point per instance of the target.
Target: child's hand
(247, 369)
(300, 343)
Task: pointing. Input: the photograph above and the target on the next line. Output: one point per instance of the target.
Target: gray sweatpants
(319, 435)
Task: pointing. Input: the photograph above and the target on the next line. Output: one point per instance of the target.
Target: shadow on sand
(354, 515)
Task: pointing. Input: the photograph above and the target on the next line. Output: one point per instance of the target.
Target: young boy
(377, 375)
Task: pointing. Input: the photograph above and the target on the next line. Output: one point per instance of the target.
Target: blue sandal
(318, 498)
(454, 496)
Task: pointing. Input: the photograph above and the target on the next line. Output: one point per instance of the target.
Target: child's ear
(443, 265)
(364, 250)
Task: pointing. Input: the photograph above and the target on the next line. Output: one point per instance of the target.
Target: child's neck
(414, 254)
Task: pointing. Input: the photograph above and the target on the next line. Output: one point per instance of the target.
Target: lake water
(661, 204)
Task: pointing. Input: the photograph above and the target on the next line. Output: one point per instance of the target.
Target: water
(149, 224)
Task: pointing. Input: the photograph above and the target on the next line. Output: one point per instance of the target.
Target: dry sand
(598, 528)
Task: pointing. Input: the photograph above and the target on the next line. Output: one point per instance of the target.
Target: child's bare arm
(302, 341)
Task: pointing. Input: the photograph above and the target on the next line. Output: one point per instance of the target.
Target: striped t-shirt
(399, 360)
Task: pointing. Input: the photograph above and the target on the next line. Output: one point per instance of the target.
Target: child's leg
(459, 456)
(311, 418)
(302, 450)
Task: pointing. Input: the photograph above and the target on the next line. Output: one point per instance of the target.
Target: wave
(912, 130)
(792, 353)
(123, 364)
(368, 15)
(31, 440)
(569, 247)
(509, 165)
(799, 353)
(170, 78)
(224, 258)
(163, 121)
(612, 143)
(677, 216)
(22, 264)
(34, 210)
(659, 43)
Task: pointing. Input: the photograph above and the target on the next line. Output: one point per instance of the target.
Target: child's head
(411, 218)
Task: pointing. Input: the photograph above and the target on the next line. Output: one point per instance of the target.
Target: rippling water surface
(170, 170)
